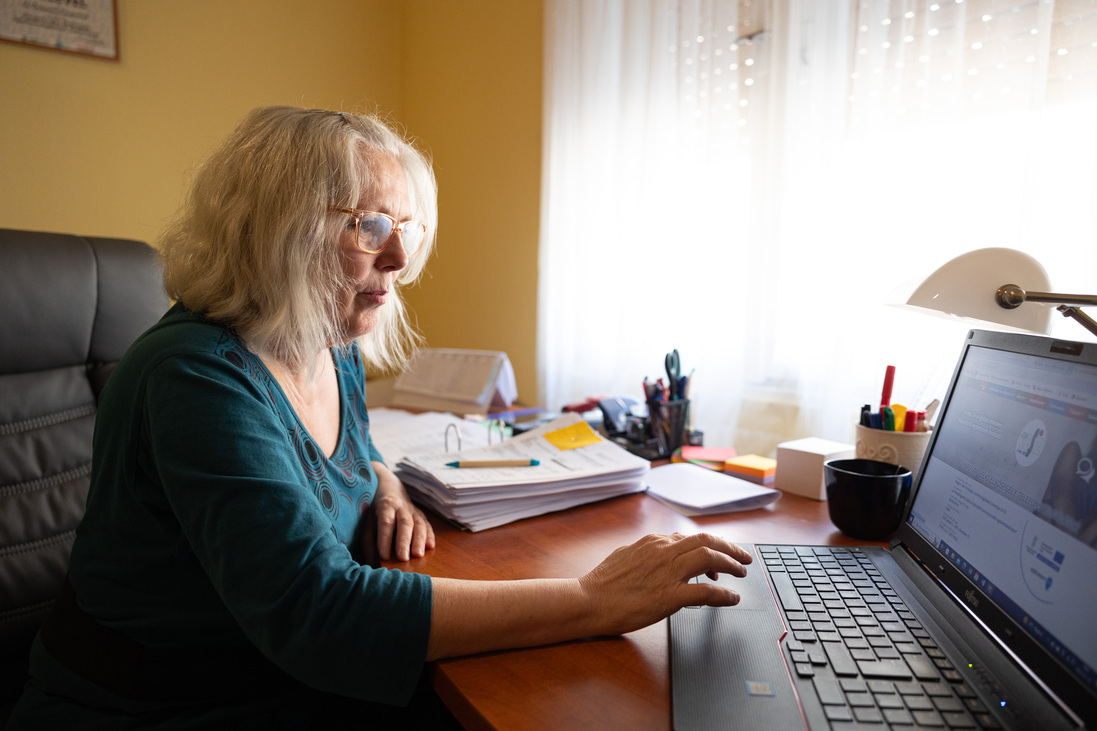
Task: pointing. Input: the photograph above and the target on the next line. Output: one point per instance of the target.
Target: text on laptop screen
(1009, 494)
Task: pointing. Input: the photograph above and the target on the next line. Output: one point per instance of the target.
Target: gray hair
(256, 249)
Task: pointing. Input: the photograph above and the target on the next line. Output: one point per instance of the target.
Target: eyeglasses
(373, 231)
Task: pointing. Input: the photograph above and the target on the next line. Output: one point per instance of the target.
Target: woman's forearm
(479, 616)
(632, 588)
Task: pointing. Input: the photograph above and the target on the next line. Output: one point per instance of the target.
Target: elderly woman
(217, 577)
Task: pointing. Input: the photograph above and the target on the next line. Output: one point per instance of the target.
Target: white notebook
(694, 490)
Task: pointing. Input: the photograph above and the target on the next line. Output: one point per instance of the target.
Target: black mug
(866, 498)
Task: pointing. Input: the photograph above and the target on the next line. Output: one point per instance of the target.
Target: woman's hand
(651, 579)
(403, 531)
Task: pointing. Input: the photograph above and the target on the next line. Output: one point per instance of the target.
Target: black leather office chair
(69, 308)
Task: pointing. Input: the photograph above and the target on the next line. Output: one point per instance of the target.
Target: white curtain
(752, 182)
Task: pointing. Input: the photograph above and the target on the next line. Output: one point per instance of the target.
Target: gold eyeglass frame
(359, 213)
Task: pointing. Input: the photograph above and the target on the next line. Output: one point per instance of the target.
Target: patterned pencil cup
(668, 424)
(906, 448)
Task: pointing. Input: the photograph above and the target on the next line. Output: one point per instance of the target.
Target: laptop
(981, 613)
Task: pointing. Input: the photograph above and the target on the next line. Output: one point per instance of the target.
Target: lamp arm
(1010, 296)
(1083, 319)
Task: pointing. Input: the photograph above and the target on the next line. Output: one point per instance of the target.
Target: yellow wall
(106, 148)
(471, 89)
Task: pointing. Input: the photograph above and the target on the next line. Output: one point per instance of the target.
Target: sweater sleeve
(230, 475)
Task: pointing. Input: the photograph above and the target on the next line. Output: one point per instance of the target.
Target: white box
(800, 465)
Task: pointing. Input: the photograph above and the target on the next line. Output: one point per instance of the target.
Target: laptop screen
(1008, 494)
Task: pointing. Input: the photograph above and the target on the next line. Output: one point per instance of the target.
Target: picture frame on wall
(85, 27)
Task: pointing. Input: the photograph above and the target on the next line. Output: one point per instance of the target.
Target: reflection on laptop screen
(1009, 495)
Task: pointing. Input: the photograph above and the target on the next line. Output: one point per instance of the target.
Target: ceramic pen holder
(906, 448)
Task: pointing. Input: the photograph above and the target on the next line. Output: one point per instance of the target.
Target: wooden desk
(611, 682)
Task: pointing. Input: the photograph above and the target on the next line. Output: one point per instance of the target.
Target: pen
(515, 413)
(494, 463)
(910, 422)
(888, 417)
(889, 379)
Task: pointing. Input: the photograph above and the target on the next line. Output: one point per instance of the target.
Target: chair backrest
(70, 306)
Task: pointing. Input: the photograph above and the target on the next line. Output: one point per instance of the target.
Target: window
(754, 182)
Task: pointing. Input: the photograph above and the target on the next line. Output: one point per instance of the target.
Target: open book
(455, 380)
(575, 465)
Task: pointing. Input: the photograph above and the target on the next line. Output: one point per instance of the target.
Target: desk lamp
(992, 284)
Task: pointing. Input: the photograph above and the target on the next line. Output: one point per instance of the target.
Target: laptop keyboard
(855, 643)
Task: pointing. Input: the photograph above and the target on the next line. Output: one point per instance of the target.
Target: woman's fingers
(386, 527)
(423, 539)
(709, 555)
(704, 553)
(704, 594)
(403, 532)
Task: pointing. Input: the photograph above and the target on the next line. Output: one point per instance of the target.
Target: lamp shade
(965, 288)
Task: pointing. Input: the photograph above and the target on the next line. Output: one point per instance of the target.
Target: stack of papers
(693, 490)
(575, 466)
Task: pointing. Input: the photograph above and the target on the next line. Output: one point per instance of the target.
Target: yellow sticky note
(571, 437)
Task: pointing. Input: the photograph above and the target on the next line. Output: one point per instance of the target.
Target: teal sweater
(213, 519)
